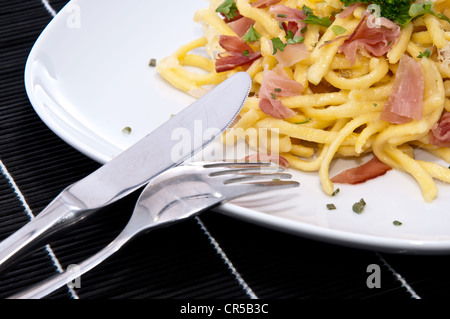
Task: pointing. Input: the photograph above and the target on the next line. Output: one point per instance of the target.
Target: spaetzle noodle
(348, 84)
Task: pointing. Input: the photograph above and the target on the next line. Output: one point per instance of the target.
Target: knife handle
(58, 213)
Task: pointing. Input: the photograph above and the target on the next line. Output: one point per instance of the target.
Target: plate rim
(294, 227)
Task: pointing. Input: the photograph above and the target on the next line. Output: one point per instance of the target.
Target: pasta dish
(331, 79)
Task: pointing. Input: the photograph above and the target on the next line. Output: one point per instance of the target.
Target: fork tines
(256, 173)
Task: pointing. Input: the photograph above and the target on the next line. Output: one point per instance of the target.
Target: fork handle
(50, 285)
(59, 210)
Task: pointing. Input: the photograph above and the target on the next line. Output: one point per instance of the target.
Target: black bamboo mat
(209, 257)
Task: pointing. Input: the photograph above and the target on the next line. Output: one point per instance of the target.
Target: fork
(177, 194)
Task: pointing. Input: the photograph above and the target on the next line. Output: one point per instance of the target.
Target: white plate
(88, 77)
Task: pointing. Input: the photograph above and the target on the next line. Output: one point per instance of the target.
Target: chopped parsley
(277, 45)
(338, 30)
(358, 207)
(401, 11)
(152, 62)
(246, 53)
(336, 192)
(251, 35)
(331, 206)
(311, 18)
(397, 223)
(426, 53)
(228, 8)
(291, 39)
(305, 121)
(307, 10)
(419, 9)
(394, 10)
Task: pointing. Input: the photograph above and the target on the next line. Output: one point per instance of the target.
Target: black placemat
(212, 256)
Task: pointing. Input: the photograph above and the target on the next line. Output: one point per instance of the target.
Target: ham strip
(292, 16)
(241, 26)
(440, 132)
(375, 39)
(348, 11)
(232, 44)
(360, 174)
(292, 19)
(234, 55)
(292, 54)
(406, 100)
(274, 86)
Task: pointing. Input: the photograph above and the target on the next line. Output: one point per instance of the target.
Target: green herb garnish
(426, 53)
(419, 9)
(394, 10)
(152, 62)
(336, 192)
(277, 45)
(307, 10)
(338, 30)
(311, 18)
(397, 223)
(291, 39)
(401, 11)
(126, 130)
(358, 207)
(305, 121)
(228, 9)
(277, 89)
(251, 35)
(331, 206)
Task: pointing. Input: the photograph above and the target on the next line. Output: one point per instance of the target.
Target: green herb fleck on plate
(126, 130)
(358, 207)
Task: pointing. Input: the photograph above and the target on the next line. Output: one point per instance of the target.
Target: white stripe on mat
(224, 257)
(30, 214)
(399, 278)
(48, 7)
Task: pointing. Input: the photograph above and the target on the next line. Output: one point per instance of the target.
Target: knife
(204, 120)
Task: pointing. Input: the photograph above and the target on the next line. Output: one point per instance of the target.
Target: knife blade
(204, 121)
